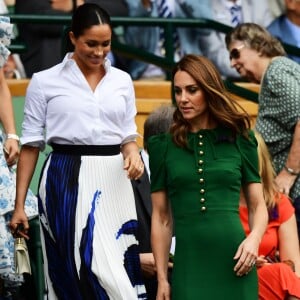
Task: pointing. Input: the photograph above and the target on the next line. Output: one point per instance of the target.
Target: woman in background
(9, 153)
(277, 279)
(260, 58)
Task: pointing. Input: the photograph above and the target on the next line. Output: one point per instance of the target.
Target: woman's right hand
(163, 290)
(19, 225)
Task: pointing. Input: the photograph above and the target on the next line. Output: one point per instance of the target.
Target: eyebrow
(195, 85)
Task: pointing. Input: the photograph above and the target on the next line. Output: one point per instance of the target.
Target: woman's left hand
(134, 165)
(246, 256)
(11, 151)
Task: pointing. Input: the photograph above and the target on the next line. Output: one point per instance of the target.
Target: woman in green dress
(197, 171)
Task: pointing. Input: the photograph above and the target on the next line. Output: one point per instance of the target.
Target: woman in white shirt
(85, 109)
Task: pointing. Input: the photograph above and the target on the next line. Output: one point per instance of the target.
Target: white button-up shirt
(60, 107)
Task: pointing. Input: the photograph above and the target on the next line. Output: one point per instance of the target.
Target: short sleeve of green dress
(203, 184)
(248, 151)
(157, 153)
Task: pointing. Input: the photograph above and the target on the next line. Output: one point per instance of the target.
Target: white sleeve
(35, 109)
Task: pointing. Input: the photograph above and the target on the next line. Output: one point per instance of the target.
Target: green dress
(203, 184)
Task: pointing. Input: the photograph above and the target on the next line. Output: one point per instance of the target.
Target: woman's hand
(134, 165)
(132, 160)
(246, 255)
(285, 181)
(19, 225)
(163, 290)
(11, 151)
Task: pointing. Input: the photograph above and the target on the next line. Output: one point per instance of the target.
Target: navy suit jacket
(142, 195)
(279, 29)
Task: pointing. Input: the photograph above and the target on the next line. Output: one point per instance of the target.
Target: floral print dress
(7, 202)
(8, 185)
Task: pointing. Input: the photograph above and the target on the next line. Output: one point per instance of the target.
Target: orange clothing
(277, 280)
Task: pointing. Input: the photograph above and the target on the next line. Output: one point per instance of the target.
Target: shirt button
(200, 170)
(203, 208)
(202, 191)
(201, 152)
(202, 200)
(200, 144)
(200, 162)
(200, 136)
(201, 180)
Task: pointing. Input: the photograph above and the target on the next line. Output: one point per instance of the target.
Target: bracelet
(291, 171)
(12, 136)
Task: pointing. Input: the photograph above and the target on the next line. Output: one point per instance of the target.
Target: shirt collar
(69, 61)
(229, 4)
(294, 29)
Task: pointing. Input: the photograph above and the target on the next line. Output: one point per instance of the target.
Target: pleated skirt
(88, 227)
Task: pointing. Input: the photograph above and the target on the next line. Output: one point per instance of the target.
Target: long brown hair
(222, 108)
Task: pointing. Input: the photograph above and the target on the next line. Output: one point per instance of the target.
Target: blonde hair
(257, 38)
(267, 173)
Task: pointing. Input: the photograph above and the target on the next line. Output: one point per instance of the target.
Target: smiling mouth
(96, 59)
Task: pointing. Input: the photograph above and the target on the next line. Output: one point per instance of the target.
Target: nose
(182, 96)
(98, 51)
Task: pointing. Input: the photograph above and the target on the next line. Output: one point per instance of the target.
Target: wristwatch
(291, 171)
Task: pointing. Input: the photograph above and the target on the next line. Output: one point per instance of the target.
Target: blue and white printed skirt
(89, 223)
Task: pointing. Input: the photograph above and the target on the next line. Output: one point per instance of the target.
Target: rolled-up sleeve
(130, 128)
(33, 127)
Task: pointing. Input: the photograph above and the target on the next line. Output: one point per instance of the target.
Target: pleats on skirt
(88, 227)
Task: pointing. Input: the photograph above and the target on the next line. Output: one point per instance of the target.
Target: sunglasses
(235, 52)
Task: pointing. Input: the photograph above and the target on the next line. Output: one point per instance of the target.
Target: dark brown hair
(87, 15)
(84, 17)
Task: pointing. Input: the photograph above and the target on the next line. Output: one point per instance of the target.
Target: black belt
(105, 150)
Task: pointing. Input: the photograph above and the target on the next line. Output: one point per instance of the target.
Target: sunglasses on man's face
(235, 52)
